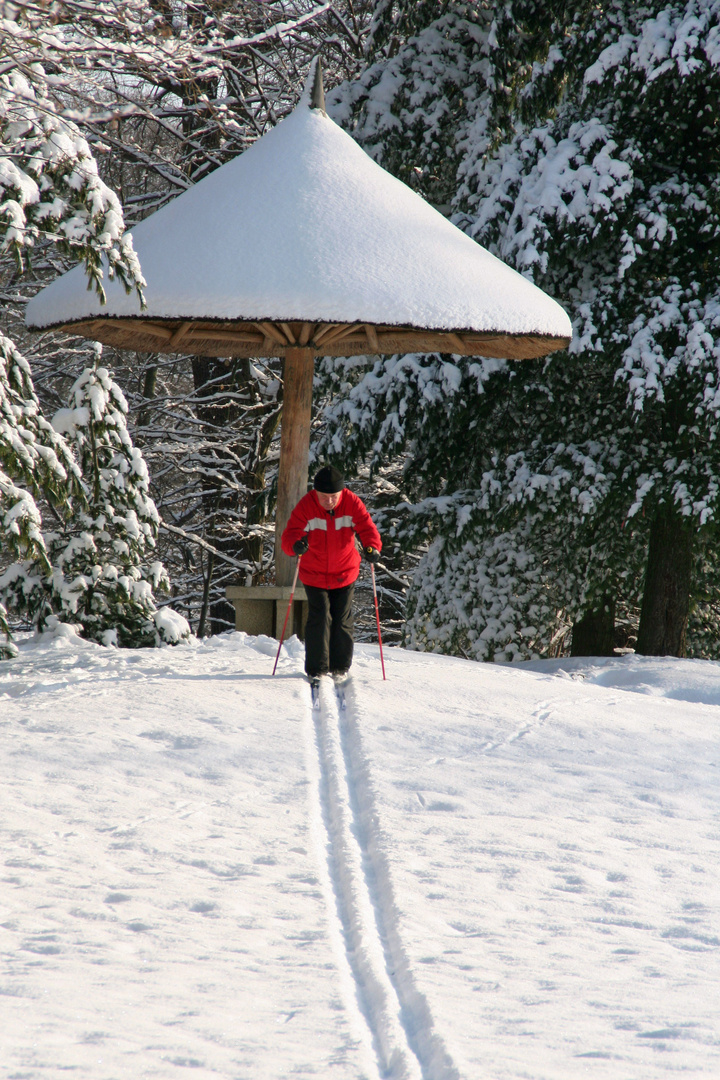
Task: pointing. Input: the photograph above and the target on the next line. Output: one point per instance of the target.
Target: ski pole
(287, 614)
(377, 616)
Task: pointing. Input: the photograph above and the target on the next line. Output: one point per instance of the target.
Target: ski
(340, 684)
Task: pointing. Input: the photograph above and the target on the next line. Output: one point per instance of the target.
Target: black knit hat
(329, 480)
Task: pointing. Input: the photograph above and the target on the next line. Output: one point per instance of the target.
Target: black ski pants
(329, 630)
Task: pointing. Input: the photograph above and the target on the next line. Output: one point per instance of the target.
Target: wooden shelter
(304, 246)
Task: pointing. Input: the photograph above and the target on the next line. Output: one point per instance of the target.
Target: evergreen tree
(606, 194)
(34, 460)
(104, 570)
(422, 93)
(612, 199)
(50, 189)
(50, 192)
(438, 92)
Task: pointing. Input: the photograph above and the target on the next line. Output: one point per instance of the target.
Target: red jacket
(332, 560)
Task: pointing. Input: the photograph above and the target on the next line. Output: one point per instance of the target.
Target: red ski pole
(287, 614)
(377, 616)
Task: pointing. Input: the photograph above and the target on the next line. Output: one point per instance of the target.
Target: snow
(306, 226)
(473, 870)
(682, 38)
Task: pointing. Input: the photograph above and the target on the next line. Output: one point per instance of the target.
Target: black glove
(300, 546)
(371, 554)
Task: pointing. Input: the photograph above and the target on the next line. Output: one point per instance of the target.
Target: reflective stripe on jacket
(332, 560)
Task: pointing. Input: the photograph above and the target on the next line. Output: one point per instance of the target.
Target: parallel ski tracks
(390, 1016)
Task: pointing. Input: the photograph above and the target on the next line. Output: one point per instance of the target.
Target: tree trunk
(594, 634)
(214, 382)
(253, 478)
(206, 594)
(149, 361)
(666, 598)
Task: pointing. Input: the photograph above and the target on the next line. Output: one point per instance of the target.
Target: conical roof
(305, 239)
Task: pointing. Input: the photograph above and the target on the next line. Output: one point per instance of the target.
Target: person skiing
(321, 532)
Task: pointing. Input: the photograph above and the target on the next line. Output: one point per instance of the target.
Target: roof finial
(314, 93)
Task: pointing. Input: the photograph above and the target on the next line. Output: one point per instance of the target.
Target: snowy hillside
(473, 871)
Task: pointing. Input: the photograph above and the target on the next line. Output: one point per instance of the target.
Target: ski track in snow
(397, 1015)
(321, 831)
(471, 871)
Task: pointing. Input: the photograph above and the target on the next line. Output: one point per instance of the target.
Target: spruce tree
(50, 188)
(422, 92)
(437, 95)
(563, 474)
(50, 193)
(612, 198)
(104, 569)
(34, 461)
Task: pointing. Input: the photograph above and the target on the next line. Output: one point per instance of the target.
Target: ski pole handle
(377, 616)
(287, 615)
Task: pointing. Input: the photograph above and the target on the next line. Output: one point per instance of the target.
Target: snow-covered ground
(473, 871)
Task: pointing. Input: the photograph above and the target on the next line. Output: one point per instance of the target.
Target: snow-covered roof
(306, 226)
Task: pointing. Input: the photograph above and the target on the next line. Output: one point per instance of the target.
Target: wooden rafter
(210, 337)
(322, 333)
(145, 326)
(179, 334)
(457, 343)
(335, 332)
(371, 334)
(305, 333)
(271, 331)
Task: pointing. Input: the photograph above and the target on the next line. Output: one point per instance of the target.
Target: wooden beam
(415, 341)
(336, 332)
(324, 330)
(486, 339)
(288, 333)
(91, 324)
(305, 333)
(179, 334)
(246, 338)
(294, 449)
(352, 345)
(270, 330)
(145, 326)
(349, 331)
(457, 343)
(225, 349)
(371, 334)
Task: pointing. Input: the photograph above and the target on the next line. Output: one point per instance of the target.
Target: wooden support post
(294, 449)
